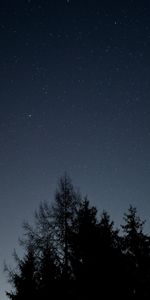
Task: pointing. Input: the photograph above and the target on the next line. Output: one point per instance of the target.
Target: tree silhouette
(83, 238)
(108, 257)
(64, 213)
(49, 237)
(24, 278)
(70, 253)
(47, 273)
(81, 242)
(136, 247)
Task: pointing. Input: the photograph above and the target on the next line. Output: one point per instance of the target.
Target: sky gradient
(74, 97)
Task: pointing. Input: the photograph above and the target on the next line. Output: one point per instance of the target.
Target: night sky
(74, 97)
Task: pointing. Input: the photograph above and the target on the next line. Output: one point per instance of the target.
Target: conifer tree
(65, 210)
(137, 252)
(23, 279)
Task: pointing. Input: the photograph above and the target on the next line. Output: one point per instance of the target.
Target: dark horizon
(70, 252)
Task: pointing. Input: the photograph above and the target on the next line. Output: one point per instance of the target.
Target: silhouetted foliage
(71, 253)
(24, 278)
(136, 248)
(64, 213)
(82, 241)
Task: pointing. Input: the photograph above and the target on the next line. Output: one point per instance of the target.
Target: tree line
(71, 253)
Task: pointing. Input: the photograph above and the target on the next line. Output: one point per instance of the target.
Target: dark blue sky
(75, 97)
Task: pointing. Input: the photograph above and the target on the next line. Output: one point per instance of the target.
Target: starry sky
(74, 97)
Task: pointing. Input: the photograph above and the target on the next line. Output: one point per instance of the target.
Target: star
(28, 116)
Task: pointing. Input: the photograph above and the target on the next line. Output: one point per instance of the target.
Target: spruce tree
(136, 247)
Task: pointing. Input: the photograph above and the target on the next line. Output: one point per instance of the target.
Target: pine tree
(137, 252)
(64, 213)
(47, 273)
(108, 257)
(23, 279)
(83, 248)
(83, 237)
